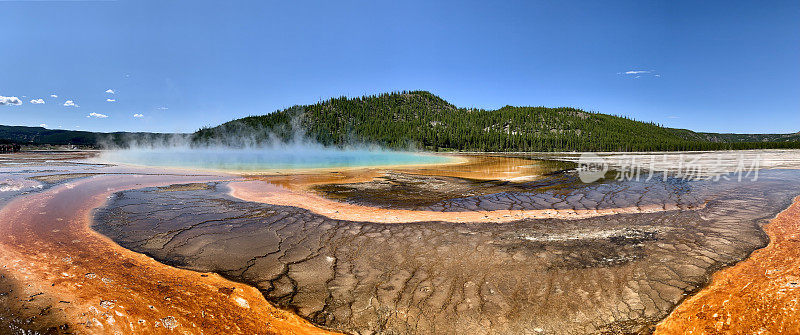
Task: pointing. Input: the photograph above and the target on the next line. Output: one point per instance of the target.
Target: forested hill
(423, 120)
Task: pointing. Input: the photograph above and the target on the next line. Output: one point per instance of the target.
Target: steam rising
(237, 147)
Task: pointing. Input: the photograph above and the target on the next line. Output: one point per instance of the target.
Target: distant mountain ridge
(44, 136)
(424, 120)
(715, 137)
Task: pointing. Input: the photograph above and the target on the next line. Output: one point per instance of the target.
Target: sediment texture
(557, 191)
(23, 313)
(618, 273)
(756, 296)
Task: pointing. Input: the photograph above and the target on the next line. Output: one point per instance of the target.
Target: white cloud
(37, 101)
(138, 115)
(10, 101)
(110, 91)
(70, 103)
(43, 125)
(53, 96)
(111, 100)
(97, 115)
(636, 74)
(162, 108)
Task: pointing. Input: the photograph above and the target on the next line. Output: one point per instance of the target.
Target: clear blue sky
(726, 66)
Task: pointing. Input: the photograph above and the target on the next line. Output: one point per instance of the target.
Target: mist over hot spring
(254, 149)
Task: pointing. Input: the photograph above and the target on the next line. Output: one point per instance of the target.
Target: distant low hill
(714, 137)
(423, 120)
(43, 136)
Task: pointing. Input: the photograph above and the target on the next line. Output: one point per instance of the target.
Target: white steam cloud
(233, 137)
(240, 147)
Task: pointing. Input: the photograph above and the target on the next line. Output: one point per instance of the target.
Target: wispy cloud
(110, 91)
(138, 115)
(37, 101)
(673, 117)
(162, 108)
(636, 74)
(111, 100)
(53, 96)
(70, 103)
(97, 115)
(43, 125)
(10, 101)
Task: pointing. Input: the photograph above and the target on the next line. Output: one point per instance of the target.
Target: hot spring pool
(267, 159)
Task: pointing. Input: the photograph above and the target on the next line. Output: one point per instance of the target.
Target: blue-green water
(268, 159)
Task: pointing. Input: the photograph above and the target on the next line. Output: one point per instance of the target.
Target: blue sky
(723, 66)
